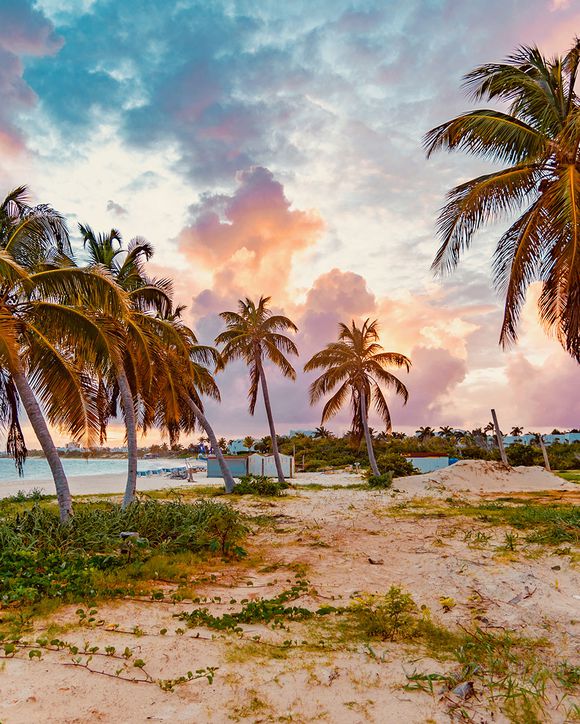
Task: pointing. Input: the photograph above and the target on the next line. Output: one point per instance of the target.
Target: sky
(275, 148)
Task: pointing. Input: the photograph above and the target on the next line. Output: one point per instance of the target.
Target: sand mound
(480, 476)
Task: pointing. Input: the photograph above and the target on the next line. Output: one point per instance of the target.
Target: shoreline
(108, 484)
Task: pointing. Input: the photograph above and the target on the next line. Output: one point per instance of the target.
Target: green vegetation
(380, 482)
(260, 485)
(42, 559)
(572, 476)
(269, 611)
(549, 524)
(507, 672)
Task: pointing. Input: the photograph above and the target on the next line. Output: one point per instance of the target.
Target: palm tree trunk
(268, 407)
(131, 427)
(46, 443)
(203, 421)
(365, 424)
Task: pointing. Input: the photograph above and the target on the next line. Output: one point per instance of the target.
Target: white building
(266, 465)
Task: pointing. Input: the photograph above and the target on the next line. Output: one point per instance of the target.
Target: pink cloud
(24, 30)
(544, 394)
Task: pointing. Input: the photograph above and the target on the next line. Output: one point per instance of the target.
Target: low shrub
(396, 464)
(380, 482)
(259, 485)
(388, 617)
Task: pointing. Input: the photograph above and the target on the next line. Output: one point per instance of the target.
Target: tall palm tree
(248, 442)
(516, 431)
(131, 372)
(49, 336)
(538, 137)
(254, 334)
(323, 433)
(357, 362)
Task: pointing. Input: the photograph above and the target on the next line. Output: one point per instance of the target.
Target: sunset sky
(275, 148)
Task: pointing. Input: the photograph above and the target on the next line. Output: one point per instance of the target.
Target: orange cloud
(249, 239)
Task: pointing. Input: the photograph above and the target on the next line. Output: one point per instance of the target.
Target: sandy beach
(469, 477)
(345, 540)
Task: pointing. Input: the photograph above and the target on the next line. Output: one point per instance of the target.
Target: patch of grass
(260, 485)
(550, 524)
(42, 559)
(572, 476)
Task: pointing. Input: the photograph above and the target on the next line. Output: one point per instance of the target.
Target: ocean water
(37, 468)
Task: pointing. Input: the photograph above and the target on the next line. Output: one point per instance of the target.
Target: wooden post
(544, 453)
(499, 438)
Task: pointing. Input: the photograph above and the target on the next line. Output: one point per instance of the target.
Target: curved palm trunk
(131, 427)
(268, 407)
(365, 423)
(203, 421)
(42, 432)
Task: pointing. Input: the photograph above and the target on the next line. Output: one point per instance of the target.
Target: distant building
(72, 447)
(565, 437)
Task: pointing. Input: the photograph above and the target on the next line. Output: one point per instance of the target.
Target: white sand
(108, 484)
(482, 476)
(331, 534)
(467, 476)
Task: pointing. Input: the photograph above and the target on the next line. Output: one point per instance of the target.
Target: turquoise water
(37, 468)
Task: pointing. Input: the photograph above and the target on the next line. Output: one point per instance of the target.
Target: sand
(480, 477)
(110, 484)
(466, 476)
(331, 534)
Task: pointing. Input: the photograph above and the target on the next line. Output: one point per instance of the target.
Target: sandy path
(330, 534)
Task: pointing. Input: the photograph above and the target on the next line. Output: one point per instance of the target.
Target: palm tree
(182, 378)
(264, 445)
(253, 334)
(516, 431)
(223, 444)
(49, 335)
(425, 433)
(357, 362)
(248, 442)
(398, 435)
(130, 374)
(323, 433)
(447, 432)
(538, 137)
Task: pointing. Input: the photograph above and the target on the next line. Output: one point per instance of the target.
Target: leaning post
(499, 438)
(545, 453)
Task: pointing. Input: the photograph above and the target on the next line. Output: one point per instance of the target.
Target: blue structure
(238, 465)
(428, 462)
(237, 446)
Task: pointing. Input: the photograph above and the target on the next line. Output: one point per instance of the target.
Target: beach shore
(110, 484)
(468, 478)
